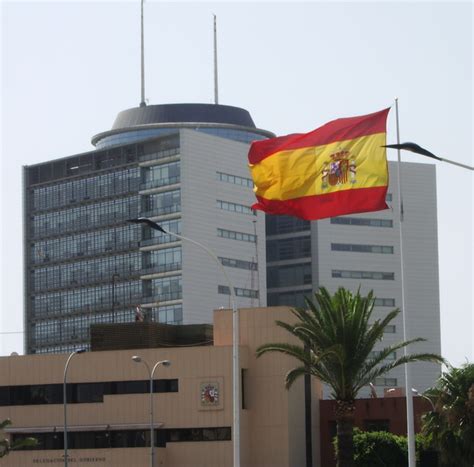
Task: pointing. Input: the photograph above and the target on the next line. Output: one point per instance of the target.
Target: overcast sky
(69, 68)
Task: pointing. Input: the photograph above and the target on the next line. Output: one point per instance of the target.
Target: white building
(363, 251)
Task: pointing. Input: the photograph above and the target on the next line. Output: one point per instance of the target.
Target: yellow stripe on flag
(303, 172)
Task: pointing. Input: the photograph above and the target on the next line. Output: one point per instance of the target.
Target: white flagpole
(216, 89)
(142, 56)
(408, 384)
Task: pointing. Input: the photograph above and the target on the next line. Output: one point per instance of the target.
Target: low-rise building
(108, 409)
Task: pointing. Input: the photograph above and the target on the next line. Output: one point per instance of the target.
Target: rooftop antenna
(142, 102)
(216, 90)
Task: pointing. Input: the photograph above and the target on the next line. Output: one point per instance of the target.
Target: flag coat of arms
(339, 168)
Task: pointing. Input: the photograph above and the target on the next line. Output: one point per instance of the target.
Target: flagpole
(142, 56)
(216, 89)
(408, 383)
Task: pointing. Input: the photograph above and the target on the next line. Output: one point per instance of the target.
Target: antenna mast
(216, 90)
(142, 102)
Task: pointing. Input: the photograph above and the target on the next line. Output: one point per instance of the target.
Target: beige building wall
(272, 422)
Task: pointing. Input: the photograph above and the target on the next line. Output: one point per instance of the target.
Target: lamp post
(65, 402)
(235, 335)
(138, 359)
(115, 276)
(418, 393)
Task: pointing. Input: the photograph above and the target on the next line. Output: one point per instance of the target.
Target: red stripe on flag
(341, 129)
(328, 205)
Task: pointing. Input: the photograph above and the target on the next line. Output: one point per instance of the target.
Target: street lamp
(65, 402)
(115, 276)
(138, 359)
(235, 334)
(417, 393)
(413, 147)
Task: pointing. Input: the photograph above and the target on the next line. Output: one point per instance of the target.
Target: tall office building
(182, 165)
(363, 250)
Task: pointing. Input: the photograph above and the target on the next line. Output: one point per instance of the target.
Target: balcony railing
(160, 154)
(162, 211)
(41, 312)
(164, 297)
(159, 182)
(164, 238)
(161, 268)
(82, 224)
(70, 254)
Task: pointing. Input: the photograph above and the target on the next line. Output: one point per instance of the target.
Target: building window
(362, 248)
(362, 221)
(387, 382)
(286, 276)
(376, 425)
(169, 314)
(288, 248)
(293, 298)
(384, 302)
(79, 393)
(238, 263)
(232, 235)
(161, 203)
(123, 438)
(236, 180)
(234, 207)
(276, 225)
(160, 175)
(198, 434)
(239, 292)
(375, 275)
(390, 329)
(164, 289)
(167, 259)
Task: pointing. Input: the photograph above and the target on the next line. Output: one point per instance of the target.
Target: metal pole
(65, 403)
(408, 385)
(114, 277)
(142, 50)
(216, 91)
(419, 394)
(151, 373)
(235, 349)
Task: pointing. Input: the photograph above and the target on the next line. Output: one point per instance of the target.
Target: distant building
(108, 408)
(363, 250)
(182, 165)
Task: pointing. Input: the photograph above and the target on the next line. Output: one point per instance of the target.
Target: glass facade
(84, 262)
(288, 248)
(126, 137)
(289, 275)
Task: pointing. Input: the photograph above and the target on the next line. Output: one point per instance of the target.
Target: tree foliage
(337, 335)
(451, 426)
(383, 449)
(6, 446)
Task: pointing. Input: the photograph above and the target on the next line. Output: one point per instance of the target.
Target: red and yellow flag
(339, 168)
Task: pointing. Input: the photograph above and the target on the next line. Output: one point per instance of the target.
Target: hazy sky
(69, 68)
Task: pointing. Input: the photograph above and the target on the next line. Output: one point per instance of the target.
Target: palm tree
(336, 344)
(450, 426)
(6, 446)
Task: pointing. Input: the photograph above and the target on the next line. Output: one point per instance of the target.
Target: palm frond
(383, 369)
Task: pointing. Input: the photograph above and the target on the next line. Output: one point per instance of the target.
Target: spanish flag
(339, 168)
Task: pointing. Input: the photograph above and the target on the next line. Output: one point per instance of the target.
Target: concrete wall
(202, 156)
(420, 245)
